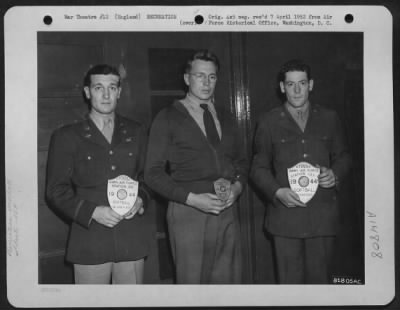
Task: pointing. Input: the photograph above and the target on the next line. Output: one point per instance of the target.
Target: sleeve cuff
(180, 195)
(271, 193)
(84, 211)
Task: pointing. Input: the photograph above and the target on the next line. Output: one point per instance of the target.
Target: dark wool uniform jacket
(80, 163)
(281, 144)
(193, 165)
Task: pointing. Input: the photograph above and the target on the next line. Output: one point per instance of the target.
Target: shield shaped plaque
(222, 188)
(122, 193)
(303, 180)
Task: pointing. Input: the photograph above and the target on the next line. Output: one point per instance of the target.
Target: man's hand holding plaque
(326, 178)
(123, 196)
(304, 180)
(289, 198)
(206, 202)
(137, 208)
(106, 216)
(226, 191)
(222, 188)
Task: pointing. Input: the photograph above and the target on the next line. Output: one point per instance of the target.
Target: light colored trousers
(116, 273)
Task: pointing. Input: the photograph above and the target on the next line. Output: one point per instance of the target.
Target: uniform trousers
(130, 272)
(205, 247)
(304, 260)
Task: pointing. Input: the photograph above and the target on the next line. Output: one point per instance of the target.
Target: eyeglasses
(201, 77)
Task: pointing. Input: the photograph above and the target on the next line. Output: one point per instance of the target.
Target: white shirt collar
(193, 100)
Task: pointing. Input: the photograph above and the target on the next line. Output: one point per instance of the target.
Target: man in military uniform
(103, 245)
(299, 131)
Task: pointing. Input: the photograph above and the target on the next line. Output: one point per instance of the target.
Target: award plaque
(303, 180)
(222, 188)
(122, 194)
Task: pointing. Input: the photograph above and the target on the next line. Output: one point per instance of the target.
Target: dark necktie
(209, 124)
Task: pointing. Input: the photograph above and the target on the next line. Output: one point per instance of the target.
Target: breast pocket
(322, 147)
(128, 156)
(284, 148)
(90, 169)
(324, 143)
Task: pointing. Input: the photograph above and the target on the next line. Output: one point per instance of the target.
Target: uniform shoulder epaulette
(275, 109)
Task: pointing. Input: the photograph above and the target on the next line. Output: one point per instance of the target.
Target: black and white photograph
(152, 66)
(181, 162)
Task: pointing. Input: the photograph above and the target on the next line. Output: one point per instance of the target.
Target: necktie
(108, 130)
(301, 119)
(209, 124)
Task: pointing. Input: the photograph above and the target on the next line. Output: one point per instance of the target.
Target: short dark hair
(100, 69)
(205, 55)
(294, 65)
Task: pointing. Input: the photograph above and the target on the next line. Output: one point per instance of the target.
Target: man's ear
(310, 85)
(282, 86)
(186, 78)
(87, 92)
(119, 92)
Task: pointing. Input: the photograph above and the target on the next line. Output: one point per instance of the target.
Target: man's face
(296, 87)
(201, 79)
(103, 92)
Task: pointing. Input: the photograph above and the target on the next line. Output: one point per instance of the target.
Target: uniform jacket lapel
(287, 121)
(89, 131)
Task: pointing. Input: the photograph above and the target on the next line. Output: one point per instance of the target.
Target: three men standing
(195, 160)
